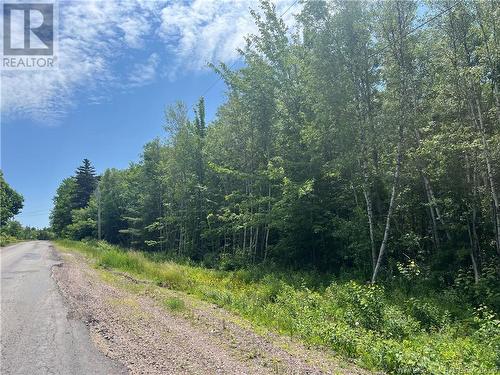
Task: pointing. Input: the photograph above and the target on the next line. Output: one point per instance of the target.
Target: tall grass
(380, 328)
(6, 240)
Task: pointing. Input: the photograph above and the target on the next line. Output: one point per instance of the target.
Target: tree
(83, 222)
(365, 139)
(60, 216)
(11, 202)
(86, 182)
(397, 20)
(113, 189)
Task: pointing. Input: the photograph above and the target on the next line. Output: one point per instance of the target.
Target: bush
(5, 239)
(428, 314)
(398, 325)
(488, 330)
(361, 304)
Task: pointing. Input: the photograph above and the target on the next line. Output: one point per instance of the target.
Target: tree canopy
(11, 202)
(366, 140)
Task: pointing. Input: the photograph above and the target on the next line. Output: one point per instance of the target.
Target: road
(38, 335)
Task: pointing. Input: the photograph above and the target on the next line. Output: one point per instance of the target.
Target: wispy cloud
(95, 36)
(144, 73)
(204, 31)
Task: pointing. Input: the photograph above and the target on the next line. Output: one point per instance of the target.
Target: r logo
(28, 29)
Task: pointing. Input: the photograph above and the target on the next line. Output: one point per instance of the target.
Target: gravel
(134, 329)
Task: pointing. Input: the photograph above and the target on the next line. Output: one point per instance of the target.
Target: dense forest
(346, 193)
(367, 141)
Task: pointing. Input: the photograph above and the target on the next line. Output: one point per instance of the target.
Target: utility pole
(98, 212)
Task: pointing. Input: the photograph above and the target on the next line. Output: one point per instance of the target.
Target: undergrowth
(386, 328)
(6, 240)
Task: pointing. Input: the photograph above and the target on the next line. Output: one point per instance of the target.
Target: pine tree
(86, 182)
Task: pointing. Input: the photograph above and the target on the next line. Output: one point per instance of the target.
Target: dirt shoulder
(154, 330)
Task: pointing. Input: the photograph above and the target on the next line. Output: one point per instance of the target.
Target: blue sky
(120, 64)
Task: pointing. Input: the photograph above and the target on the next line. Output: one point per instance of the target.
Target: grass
(393, 329)
(174, 304)
(6, 240)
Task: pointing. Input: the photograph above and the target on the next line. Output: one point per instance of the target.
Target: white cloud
(94, 36)
(206, 31)
(144, 73)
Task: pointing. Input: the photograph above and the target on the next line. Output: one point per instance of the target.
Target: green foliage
(298, 167)
(6, 239)
(83, 222)
(364, 303)
(85, 184)
(60, 216)
(175, 304)
(74, 213)
(489, 329)
(14, 231)
(370, 323)
(362, 146)
(427, 314)
(11, 202)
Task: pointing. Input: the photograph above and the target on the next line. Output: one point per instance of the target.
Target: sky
(120, 64)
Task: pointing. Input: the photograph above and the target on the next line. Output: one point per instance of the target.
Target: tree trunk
(473, 244)
(471, 226)
(369, 211)
(491, 62)
(430, 201)
(490, 174)
(394, 192)
(266, 244)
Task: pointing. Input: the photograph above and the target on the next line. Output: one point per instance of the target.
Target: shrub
(361, 304)
(6, 239)
(397, 325)
(427, 313)
(489, 329)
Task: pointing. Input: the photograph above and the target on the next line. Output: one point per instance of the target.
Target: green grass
(175, 304)
(387, 329)
(6, 240)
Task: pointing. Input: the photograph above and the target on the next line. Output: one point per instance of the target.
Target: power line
(36, 211)
(416, 28)
(33, 213)
(236, 61)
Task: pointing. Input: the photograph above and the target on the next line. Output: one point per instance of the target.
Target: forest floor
(155, 330)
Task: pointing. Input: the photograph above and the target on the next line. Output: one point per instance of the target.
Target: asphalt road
(38, 335)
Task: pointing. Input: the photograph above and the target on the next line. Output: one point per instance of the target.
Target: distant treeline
(366, 140)
(11, 230)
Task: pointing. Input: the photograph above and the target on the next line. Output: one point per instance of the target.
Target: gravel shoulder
(130, 323)
(38, 334)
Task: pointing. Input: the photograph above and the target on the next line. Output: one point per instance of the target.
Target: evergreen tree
(86, 182)
(364, 141)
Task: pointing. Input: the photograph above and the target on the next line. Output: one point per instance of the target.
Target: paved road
(37, 335)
